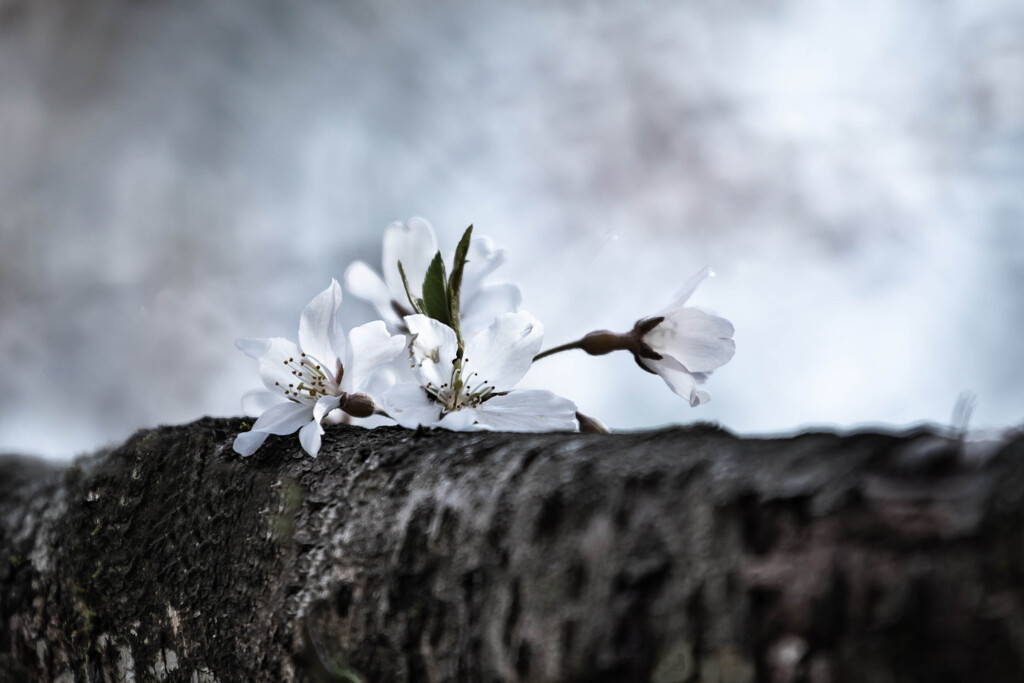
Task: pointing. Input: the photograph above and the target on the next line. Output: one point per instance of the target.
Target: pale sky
(174, 176)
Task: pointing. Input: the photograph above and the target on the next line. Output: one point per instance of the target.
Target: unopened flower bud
(591, 425)
(358, 405)
(602, 342)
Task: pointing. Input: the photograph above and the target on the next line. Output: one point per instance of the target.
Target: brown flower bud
(358, 405)
(591, 425)
(602, 342)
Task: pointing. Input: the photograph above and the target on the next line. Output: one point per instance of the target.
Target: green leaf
(417, 304)
(455, 283)
(435, 291)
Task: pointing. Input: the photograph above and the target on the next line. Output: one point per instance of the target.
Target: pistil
(462, 391)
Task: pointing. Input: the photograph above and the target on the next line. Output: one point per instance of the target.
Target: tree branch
(687, 554)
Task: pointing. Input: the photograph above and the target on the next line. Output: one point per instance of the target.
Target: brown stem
(578, 344)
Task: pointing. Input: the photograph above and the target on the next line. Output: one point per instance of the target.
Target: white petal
(700, 377)
(320, 333)
(370, 346)
(324, 405)
(274, 368)
(528, 411)
(434, 347)
(699, 340)
(688, 289)
(501, 354)
(481, 260)
(284, 418)
(247, 443)
(383, 379)
(413, 243)
(254, 348)
(365, 284)
(309, 437)
(258, 401)
(408, 404)
(678, 379)
(486, 304)
(461, 421)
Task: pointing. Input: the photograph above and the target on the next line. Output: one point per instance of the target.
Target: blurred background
(177, 174)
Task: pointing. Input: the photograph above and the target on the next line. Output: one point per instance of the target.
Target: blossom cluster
(449, 350)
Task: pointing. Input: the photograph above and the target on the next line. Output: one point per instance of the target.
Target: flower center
(465, 389)
(311, 380)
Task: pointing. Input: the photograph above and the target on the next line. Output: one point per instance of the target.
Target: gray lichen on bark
(685, 554)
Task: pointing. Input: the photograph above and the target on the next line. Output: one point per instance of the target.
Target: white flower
(474, 392)
(326, 370)
(690, 341)
(414, 244)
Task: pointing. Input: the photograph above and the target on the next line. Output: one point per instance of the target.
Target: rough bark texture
(670, 556)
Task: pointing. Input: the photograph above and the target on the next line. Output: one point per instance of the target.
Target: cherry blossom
(474, 391)
(327, 370)
(414, 244)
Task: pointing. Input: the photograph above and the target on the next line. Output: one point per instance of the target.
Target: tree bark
(687, 554)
